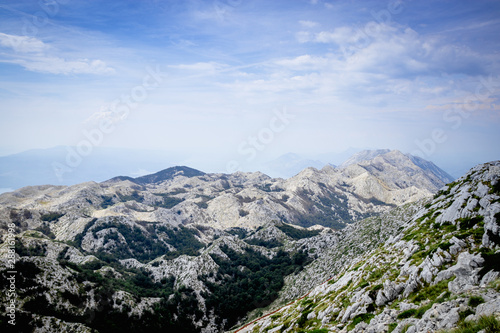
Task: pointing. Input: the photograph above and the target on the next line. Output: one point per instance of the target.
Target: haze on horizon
(232, 83)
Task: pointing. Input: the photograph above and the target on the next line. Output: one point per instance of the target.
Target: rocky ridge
(330, 197)
(437, 269)
(168, 244)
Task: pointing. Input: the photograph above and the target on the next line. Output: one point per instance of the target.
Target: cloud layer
(364, 74)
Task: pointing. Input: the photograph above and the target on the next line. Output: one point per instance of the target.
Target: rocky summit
(387, 242)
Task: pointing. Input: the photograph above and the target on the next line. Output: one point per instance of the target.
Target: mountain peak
(364, 155)
(162, 175)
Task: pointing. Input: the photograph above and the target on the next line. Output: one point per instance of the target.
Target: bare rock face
(332, 196)
(174, 239)
(439, 265)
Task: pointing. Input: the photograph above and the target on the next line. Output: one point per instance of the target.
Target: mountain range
(65, 165)
(386, 242)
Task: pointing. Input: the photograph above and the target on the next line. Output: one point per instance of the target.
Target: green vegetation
(407, 314)
(135, 196)
(494, 189)
(464, 314)
(469, 222)
(45, 229)
(169, 202)
(173, 313)
(142, 244)
(491, 261)
(475, 301)
(319, 330)
(50, 217)
(322, 213)
(487, 323)
(203, 204)
(430, 292)
(237, 231)
(422, 310)
(447, 191)
(406, 327)
(364, 317)
(248, 281)
(376, 274)
(270, 244)
(297, 233)
(37, 250)
(106, 201)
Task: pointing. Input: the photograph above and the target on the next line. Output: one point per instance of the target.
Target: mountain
(330, 197)
(404, 164)
(289, 165)
(426, 267)
(187, 251)
(67, 166)
(161, 176)
(362, 156)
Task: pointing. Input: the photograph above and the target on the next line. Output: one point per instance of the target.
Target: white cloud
(304, 62)
(22, 44)
(308, 24)
(303, 36)
(352, 35)
(397, 50)
(201, 67)
(37, 56)
(55, 65)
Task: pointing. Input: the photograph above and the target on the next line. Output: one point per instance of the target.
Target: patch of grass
(448, 226)
(407, 313)
(301, 322)
(364, 317)
(363, 284)
(391, 327)
(469, 222)
(495, 284)
(491, 262)
(464, 314)
(444, 298)
(377, 274)
(373, 291)
(487, 323)
(445, 246)
(474, 301)
(406, 327)
(431, 292)
(49, 217)
(422, 310)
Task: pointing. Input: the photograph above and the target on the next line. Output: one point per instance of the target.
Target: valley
(186, 251)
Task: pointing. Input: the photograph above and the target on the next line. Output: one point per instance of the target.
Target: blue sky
(232, 83)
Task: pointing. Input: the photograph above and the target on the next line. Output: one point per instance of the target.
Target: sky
(232, 83)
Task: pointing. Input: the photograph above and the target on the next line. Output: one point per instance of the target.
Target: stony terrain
(185, 251)
(434, 271)
(330, 197)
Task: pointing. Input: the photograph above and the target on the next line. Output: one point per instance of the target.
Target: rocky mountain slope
(184, 251)
(330, 197)
(437, 269)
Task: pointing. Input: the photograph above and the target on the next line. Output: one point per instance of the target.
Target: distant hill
(162, 175)
(37, 167)
(289, 165)
(370, 158)
(377, 246)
